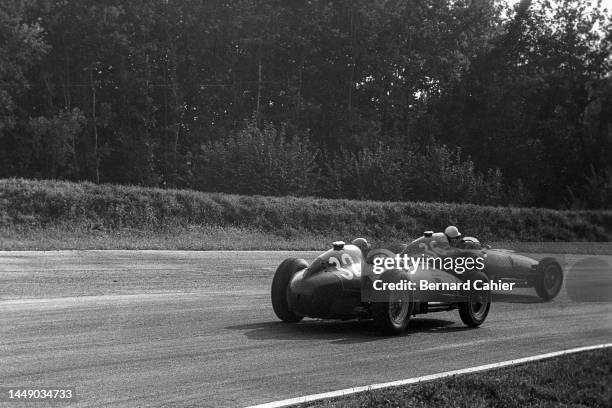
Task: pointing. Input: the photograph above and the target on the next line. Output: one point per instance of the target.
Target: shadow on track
(338, 332)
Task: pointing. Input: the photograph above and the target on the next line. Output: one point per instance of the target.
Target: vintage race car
(342, 283)
(546, 275)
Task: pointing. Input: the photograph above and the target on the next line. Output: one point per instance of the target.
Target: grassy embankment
(577, 380)
(64, 215)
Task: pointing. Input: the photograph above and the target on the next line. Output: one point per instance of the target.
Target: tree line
(436, 100)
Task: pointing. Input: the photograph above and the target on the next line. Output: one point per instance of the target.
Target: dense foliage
(437, 100)
(41, 205)
(266, 161)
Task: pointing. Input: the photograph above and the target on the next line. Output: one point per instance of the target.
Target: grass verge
(44, 214)
(580, 380)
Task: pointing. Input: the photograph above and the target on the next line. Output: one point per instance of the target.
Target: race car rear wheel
(280, 283)
(474, 312)
(549, 280)
(392, 317)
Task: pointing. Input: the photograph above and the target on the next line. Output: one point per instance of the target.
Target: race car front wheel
(474, 312)
(549, 280)
(280, 283)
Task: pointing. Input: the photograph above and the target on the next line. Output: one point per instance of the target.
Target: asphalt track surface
(180, 328)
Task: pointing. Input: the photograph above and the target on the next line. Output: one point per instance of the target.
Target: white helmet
(452, 232)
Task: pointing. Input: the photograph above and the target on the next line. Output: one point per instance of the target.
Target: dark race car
(546, 275)
(341, 282)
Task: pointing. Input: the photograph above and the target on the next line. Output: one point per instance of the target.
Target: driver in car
(454, 236)
(456, 240)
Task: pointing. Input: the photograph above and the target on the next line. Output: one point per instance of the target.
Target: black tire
(393, 316)
(280, 283)
(474, 312)
(549, 280)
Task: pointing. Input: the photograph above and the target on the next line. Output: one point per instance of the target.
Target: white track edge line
(354, 390)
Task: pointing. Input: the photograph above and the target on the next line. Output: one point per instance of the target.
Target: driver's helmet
(362, 244)
(452, 232)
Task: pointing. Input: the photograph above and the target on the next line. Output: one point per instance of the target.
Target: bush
(258, 161)
(268, 161)
(402, 174)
